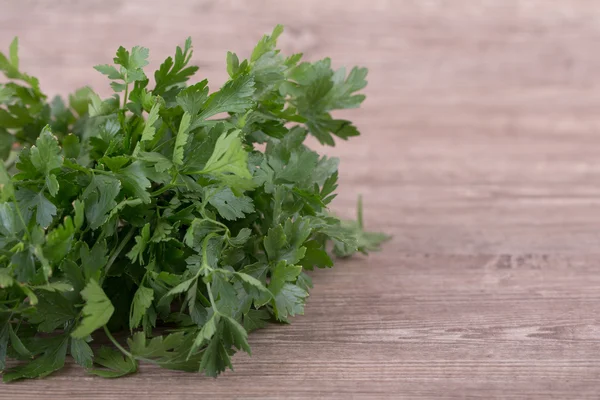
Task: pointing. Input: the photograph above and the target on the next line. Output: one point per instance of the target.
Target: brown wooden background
(480, 154)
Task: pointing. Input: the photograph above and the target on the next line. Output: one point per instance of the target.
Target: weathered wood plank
(417, 326)
(480, 154)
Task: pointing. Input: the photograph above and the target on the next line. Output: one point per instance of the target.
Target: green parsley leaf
(182, 138)
(52, 359)
(82, 352)
(229, 163)
(99, 198)
(149, 130)
(29, 202)
(234, 97)
(256, 319)
(115, 365)
(172, 73)
(141, 302)
(229, 206)
(96, 312)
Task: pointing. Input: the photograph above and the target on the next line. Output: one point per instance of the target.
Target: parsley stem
(162, 190)
(218, 223)
(116, 252)
(18, 210)
(168, 186)
(163, 143)
(117, 345)
(257, 228)
(125, 352)
(10, 164)
(126, 95)
(205, 266)
(102, 172)
(211, 298)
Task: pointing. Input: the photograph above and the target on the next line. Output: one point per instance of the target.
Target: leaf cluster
(183, 217)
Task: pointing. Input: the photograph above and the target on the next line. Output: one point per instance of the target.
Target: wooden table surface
(480, 154)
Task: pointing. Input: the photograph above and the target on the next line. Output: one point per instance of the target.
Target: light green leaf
(96, 312)
(207, 332)
(55, 287)
(149, 130)
(99, 199)
(141, 242)
(52, 184)
(142, 300)
(274, 241)
(229, 162)
(45, 155)
(13, 52)
(267, 43)
(6, 279)
(289, 301)
(282, 273)
(92, 261)
(158, 346)
(191, 98)
(182, 138)
(10, 223)
(59, 241)
(108, 70)
(79, 217)
(6, 186)
(234, 97)
(158, 161)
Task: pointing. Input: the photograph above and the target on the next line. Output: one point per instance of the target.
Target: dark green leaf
(82, 352)
(230, 206)
(114, 363)
(51, 360)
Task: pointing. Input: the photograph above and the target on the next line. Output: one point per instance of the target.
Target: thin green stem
(10, 164)
(117, 345)
(218, 223)
(162, 190)
(21, 217)
(204, 203)
(162, 144)
(257, 228)
(101, 172)
(29, 182)
(211, 298)
(168, 186)
(126, 95)
(125, 352)
(117, 251)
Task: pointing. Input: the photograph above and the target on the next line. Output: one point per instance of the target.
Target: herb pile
(184, 218)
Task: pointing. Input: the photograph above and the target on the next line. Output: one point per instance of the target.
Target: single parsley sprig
(155, 207)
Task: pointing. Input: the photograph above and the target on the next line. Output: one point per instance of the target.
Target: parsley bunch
(166, 211)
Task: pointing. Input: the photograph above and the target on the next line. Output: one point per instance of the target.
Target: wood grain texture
(479, 154)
